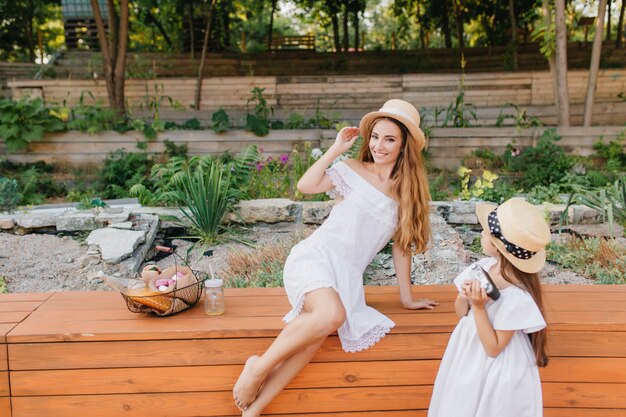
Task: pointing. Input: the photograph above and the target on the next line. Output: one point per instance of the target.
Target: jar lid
(212, 283)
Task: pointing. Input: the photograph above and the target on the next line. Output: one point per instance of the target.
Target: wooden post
(243, 41)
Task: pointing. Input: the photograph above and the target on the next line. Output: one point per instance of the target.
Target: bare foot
(247, 386)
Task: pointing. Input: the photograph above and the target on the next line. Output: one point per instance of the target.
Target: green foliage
(610, 201)
(259, 121)
(521, 118)
(477, 190)
(171, 149)
(438, 188)
(10, 195)
(93, 118)
(122, 170)
(192, 124)
(596, 258)
(25, 121)
(543, 164)
(459, 113)
(542, 193)
(207, 196)
(612, 153)
(219, 121)
(4, 289)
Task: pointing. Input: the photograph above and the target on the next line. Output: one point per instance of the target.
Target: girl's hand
(419, 304)
(465, 289)
(476, 295)
(345, 139)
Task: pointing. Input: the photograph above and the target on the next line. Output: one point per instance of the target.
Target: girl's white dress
(472, 384)
(337, 253)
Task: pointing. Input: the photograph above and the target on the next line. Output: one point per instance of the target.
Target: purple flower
(284, 158)
(259, 166)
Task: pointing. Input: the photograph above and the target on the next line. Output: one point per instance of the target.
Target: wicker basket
(143, 299)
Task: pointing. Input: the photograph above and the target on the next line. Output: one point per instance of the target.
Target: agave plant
(611, 201)
(206, 198)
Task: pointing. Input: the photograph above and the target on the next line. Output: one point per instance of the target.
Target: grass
(259, 267)
(596, 258)
(3, 285)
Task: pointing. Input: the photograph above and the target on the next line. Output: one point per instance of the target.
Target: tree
(513, 33)
(561, 65)
(548, 49)
(595, 63)
(271, 28)
(205, 45)
(620, 25)
(113, 47)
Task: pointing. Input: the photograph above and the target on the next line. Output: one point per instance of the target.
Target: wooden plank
(216, 378)
(4, 384)
(13, 316)
(4, 358)
(131, 354)
(592, 343)
(220, 403)
(5, 407)
(583, 412)
(584, 370)
(584, 395)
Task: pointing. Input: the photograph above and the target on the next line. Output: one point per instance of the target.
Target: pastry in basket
(149, 272)
(152, 299)
(172, 278)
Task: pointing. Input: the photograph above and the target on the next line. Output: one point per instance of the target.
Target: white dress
(337, 253)
(472, 384)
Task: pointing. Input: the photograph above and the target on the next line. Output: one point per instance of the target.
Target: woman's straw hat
(518, 230)
(401, 111)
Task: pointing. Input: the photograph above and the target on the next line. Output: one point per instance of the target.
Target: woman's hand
(345, 139)
(424, 303)
(476, 295)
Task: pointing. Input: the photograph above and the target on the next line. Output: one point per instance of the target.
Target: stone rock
(116, 245)
(106, 218)
(272, 210)
(462, 218)
(315, 212)
(34, 221)
(7, 222)
(579, 214)
(76, 220)
(123, 225)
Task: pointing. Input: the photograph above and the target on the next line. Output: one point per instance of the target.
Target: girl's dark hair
(530, 283)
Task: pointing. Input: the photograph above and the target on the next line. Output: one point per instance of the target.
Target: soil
(47, 262)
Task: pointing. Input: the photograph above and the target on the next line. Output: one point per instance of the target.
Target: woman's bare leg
(280, 377)
(322, 314)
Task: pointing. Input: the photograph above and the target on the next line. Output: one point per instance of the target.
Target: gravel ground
(40, 262)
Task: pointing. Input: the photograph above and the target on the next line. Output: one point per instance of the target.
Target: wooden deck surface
(83, 353)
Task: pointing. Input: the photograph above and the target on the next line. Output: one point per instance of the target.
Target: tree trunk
(271, 29)
(335, 22)
(513, 33)
(192, 35)
(120, 64)
(205, 46)
(418, 14)
(356, 30)
(446, 25)
(30, 39)
(458, 12)
(113, 31)
(561, 65)
(551, 60)
(107, 60)
(595, 64)
(620, 26)
(608, 21)
(346, 40)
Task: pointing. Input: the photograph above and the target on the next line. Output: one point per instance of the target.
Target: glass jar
(213, 297)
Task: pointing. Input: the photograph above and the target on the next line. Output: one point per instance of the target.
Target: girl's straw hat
(519, 232)
(401, 111)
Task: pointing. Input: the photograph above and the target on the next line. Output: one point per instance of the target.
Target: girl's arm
(402, 264)
(315, 180)
(494, 341)
(461, 305)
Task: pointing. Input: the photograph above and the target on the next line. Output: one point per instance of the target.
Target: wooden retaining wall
(446, 146)
(530, 90)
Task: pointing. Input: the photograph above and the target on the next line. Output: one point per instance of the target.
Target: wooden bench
(84, 354)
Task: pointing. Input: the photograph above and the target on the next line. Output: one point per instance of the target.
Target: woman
(383, 194)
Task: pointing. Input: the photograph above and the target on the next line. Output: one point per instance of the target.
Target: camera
(485, 281)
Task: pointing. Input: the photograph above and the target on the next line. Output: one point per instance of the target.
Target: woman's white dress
(472, 384)
(337, 253)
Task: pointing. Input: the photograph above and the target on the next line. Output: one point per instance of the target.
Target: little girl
(490, 367)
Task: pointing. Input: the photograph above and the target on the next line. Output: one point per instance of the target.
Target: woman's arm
(402, 264)
(461, 305)
(494, 341)
(315, 180)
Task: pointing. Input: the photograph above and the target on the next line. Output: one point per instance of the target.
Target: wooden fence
(446, 146)
(488, 93)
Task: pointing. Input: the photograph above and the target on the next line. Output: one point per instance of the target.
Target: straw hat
(401, 111)
(518, 230)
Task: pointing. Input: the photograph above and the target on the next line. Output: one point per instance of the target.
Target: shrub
(122, 170)
(10, 195)
(25, 121)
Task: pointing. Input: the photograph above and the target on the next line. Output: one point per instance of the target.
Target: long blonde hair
(410, 188)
